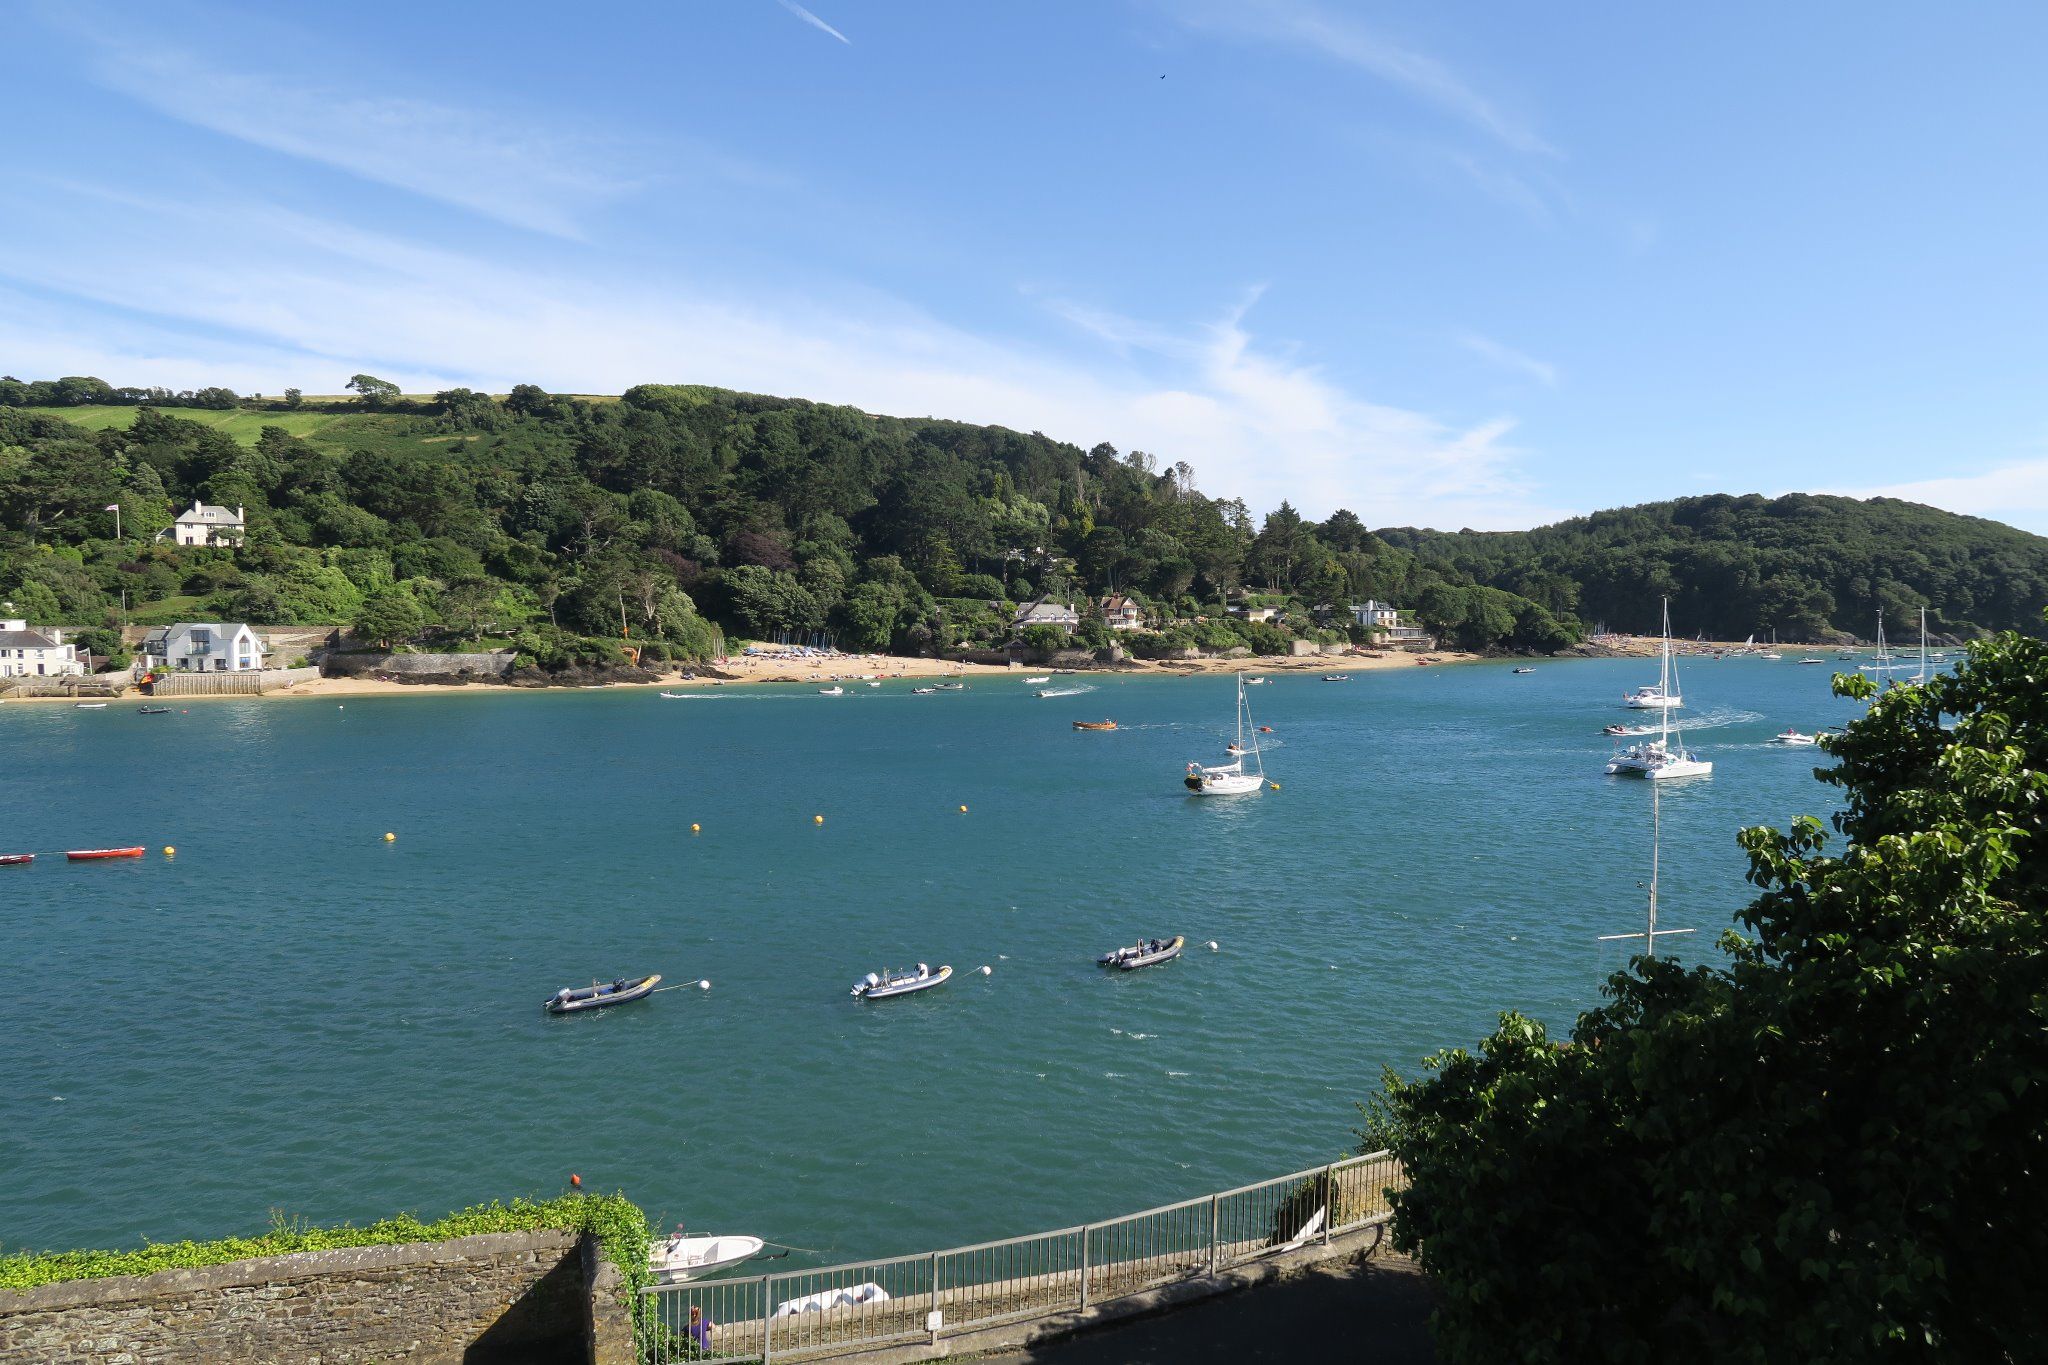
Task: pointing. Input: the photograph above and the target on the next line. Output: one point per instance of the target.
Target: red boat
(15, 859)
(86, 855)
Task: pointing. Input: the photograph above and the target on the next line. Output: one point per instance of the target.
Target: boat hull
(589, 998)
(1234, 784)
(16, 859)
(678, 1260)
(1095, 725)
(888, 989)
(93, 855)
(1152, 959)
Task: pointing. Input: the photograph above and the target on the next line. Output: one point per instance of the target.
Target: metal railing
(809, 1314)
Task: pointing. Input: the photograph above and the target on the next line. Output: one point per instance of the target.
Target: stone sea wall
(501, 1297)
(481, 667)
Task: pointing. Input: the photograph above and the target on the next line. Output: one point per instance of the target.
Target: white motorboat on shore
(882, 985)
(677, 1259)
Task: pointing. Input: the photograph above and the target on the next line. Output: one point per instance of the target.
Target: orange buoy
(576, 1180)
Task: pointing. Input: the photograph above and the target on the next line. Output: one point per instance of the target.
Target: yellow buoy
(817, 819)
(963, 810)
(169, 850)
(388, 837)
(694, 829)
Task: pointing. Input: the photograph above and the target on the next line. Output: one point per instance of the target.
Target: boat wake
(1714, 720)
(1066, 691)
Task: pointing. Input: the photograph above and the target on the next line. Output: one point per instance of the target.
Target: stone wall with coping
(420, 665)
(520, 1296)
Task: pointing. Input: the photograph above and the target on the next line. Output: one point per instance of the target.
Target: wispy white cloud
(813, 20)
(1508, 358)
(1301, 24)
(486, 161)
(259, 297)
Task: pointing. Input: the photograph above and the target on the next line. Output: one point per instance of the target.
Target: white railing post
(767, 1316)
(1084, 1266)
(1329, 1199)
(1215, 1241)
(935, 1318)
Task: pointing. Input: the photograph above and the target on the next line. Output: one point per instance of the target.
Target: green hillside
(673, 512)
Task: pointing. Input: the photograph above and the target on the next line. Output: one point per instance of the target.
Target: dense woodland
(568, 527)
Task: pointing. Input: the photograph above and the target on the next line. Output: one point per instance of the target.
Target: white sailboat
(1230, 779)
(1663, 694)
(1657, 759)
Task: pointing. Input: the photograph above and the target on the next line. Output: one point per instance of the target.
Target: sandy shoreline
(743, 672)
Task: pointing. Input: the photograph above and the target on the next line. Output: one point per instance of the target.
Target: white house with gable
(204, 524)
(39, 653)
(1046, 613)
(202, 647)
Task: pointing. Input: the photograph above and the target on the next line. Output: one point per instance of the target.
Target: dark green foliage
(1808, 566)
(1830, 1148)
(679, 510)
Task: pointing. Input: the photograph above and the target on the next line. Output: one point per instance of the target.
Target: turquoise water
(294, 1014)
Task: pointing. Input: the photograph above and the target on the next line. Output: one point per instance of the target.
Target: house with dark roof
(201, 647)
(38, 653)
(1046, 613)
(1121, 613)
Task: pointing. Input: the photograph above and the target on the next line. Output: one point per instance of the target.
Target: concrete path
(1373, 1312)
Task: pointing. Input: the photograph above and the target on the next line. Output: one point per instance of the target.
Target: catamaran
(1656, 758)
(1230, 779)
(1663, 694)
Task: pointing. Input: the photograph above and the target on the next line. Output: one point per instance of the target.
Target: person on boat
(700, 1329)
(923, 971)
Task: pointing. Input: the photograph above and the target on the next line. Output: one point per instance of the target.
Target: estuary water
(292, 1013)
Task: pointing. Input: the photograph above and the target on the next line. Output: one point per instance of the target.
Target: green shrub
(618, 1223)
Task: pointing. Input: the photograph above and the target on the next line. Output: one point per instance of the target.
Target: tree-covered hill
(568, 525)
(1803, 565)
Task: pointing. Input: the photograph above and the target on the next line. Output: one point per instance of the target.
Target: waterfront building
(205, 524)
(1121, 613)
(1046, 613)
(202, 647)
(36, 653)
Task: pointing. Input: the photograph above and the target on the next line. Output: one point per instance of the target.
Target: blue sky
(1445, 265)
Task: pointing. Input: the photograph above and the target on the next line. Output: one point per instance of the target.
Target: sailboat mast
(1921, 677)
(1664, 682)
(1656, 851)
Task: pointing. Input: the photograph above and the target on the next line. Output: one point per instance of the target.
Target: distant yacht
(1657, 759)
(1230, 779)
(1663, 694)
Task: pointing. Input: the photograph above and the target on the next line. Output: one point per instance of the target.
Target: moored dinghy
(882, 985)
(1144, 953)
(677, 1259)
(600, 995)
(88, 855)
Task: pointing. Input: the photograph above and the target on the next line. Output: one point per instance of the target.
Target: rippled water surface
(294, 1014)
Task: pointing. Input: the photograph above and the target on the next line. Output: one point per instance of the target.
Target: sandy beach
(741, 671)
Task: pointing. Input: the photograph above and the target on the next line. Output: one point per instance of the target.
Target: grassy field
(169, 611)
(242, 425)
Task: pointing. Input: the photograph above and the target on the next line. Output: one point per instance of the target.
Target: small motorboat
(1254, 682)
(679, 1258)
(1794, 739)
(831, 691)
(1630, 730)
(90, 705)
(1095, 725)
(1144, 953)
(1525, 670)
(88, 855)
(152, 710)
(882, 985)
(600, 995)
(1036, 682)
(922, 691)
(1336, 677)
(1804, 662)
(16, 859)
(676, 696)
(950, 687)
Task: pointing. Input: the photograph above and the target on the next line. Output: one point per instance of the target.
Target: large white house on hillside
(40, 653)
(202, 647)
(204, 524)
(1121, 613)
(1044, 613)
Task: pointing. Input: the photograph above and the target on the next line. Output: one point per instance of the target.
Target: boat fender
(988, 971)
(703, 985)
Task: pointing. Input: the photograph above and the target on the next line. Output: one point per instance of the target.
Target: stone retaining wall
(245, 683)
(502, 1297)
(478, 666)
